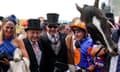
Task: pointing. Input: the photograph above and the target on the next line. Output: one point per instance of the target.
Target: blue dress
(7, 48)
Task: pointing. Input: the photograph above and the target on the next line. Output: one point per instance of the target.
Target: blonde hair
(5, 20)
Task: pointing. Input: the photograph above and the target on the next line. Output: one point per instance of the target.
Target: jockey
(85, 42)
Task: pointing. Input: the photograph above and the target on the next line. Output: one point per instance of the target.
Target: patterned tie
(55, 40)
(37, 52)
(35, 47)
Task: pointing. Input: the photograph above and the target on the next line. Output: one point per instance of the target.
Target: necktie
(35, 47)
(37, 51)
(55, 41)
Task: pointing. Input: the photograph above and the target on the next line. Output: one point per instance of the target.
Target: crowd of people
(47, 46)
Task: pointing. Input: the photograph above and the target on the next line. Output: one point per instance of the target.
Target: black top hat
(33, 24)
(109, 15)
(52, 18)
(1, 18)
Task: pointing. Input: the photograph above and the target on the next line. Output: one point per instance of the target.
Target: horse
(99, 29)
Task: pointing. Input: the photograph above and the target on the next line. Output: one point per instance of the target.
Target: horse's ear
(96, 4)
(78, 8)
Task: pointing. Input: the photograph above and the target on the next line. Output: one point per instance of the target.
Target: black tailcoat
(34, 67)
(50, 56)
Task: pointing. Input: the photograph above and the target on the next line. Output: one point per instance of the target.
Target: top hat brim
(26, 29)
(53, 24)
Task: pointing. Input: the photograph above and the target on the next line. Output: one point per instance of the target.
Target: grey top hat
(52, 18)
(33, 24)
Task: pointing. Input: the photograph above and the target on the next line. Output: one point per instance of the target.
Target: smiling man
(54, 46)
(33, 45)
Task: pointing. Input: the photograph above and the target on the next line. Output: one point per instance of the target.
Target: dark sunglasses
(50, 26)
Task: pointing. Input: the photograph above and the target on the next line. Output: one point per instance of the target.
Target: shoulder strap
(98, 51)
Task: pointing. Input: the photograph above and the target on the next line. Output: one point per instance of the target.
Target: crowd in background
(48, 46)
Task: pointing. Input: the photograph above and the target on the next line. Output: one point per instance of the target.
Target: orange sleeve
(91, 68)
(89, 50)
(76, 56)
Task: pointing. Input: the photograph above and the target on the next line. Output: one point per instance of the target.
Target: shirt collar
(50, 36)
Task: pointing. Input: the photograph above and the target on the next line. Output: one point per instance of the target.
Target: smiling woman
(9, 43)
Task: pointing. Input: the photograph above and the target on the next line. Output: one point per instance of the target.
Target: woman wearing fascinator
(9, 44)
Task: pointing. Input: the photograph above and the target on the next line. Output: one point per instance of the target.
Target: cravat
(55, 41)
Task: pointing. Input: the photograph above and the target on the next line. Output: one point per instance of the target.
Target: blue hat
(12, 18)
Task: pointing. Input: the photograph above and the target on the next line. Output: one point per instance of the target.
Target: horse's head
(97, 25)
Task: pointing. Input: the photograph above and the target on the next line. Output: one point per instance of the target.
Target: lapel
(47, 39)
(48, 42)
(62, 37)
(30, 51)
(40, 46)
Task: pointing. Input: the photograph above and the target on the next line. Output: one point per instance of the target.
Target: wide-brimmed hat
(52, 18)
(33, 24)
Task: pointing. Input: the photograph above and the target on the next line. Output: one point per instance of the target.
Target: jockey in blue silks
(85, 42)
(85, 59)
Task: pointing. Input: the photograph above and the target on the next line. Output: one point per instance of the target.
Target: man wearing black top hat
(33, 46)
(54, 46)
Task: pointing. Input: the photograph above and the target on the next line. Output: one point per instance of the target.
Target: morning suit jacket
(50, 56)
(34, 67)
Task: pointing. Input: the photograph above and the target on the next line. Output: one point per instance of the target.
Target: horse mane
(87, 14)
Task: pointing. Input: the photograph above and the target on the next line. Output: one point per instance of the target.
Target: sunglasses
(50, 26)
